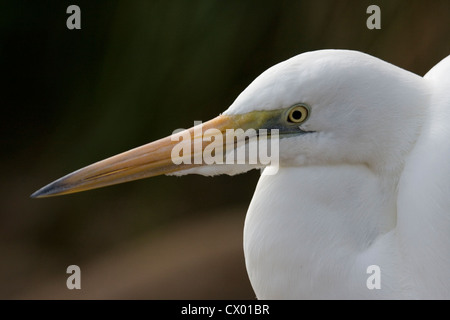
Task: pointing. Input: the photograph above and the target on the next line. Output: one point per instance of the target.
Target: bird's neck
(306, 222)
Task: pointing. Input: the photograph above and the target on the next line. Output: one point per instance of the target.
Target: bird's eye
(298, 114)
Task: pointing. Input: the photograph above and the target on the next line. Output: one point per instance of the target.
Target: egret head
(361, 110)
(329, 107)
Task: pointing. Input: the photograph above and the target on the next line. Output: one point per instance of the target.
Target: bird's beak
(148, 160)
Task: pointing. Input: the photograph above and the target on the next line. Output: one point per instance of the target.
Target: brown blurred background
(136, 71)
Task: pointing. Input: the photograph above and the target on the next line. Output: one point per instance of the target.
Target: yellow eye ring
(298, 114)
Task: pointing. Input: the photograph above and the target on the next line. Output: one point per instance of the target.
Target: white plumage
(370, 187)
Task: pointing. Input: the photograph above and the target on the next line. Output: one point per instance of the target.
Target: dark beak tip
(35, 195)
(38, 194)
(47, 191)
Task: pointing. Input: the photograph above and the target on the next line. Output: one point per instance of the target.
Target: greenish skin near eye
(287, 120)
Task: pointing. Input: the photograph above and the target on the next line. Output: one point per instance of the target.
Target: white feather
(370, 186)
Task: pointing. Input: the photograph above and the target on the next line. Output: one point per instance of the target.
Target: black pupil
(297, 115)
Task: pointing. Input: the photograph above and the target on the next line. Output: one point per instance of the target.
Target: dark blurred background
(136, 71)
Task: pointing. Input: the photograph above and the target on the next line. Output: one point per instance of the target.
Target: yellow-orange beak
(146, 161)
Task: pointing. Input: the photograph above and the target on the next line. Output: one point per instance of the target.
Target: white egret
(364, 178)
